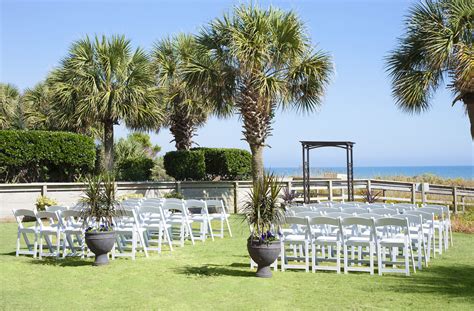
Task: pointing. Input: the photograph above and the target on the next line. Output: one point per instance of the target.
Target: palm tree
(437, 45)
(105, 81)
(257, 61)
(9, 99)
(185, 109)
(38, 105)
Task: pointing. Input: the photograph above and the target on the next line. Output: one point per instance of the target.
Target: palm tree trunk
(257, 162)
(109, 145)
(468, 100)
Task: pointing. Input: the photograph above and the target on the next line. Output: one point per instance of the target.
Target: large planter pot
(100, 243)
(264, 255)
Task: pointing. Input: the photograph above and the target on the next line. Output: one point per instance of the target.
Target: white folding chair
(23, 230)
(439, 225)
(217, 211)
(128, 231)
(395, 235)
(308, 214)
(329, 236)
(198, 213)
(299, 237)
(358, 233)
(415, 224)
(446, 221)
(153, 221)
(176, 214)
(73, 233)
(49, 228)
(428, 229)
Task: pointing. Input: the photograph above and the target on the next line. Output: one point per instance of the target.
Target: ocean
(466, 172)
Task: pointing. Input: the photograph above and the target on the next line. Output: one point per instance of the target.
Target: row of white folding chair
(390, 239)
(443, 222)
(129, 234)
(47, 225)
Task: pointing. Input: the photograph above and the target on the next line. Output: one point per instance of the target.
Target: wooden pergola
(309, 145)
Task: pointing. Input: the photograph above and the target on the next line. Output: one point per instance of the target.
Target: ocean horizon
(463, 171)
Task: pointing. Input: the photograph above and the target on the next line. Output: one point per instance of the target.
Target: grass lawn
(216, 275)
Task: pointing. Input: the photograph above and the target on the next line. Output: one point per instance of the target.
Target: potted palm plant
(264, 214)
(100, 206)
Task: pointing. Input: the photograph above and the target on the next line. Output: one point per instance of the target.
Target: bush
(185, 165)
(209, 163)
(32, 156)
(228, 163)
(135, 169)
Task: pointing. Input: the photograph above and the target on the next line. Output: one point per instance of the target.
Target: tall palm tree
(9, 99)
(39, 105)
(185, 109)
(257, 61)
(105, 81)
(437, 45)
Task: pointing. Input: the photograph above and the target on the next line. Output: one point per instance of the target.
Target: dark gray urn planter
(264, 255)
(100, 243)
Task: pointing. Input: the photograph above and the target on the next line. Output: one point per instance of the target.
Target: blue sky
(35, 35)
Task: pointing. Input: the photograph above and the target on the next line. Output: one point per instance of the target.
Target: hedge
(209, 163)
(185, 165)
(34, 156)
(227, 163)
(135, 169)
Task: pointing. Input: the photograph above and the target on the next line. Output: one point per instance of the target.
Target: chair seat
(326, 239)
(294, 238)
(358, 241)
(396, 241)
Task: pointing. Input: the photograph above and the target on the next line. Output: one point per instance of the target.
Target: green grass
(216, 275)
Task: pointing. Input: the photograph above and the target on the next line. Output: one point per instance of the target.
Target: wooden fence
(15, 196)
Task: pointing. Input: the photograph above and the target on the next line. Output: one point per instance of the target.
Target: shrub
(43, 201)
(228, 163)
(135, 169)
(185, 165)
(31, 156)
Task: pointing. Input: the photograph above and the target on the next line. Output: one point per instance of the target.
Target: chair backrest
(425, 216)
(413, 220)
(373, 206)
(370, 215)
(56, 208)
(150, 203)
(170, 206)
(391, 221)
(308, 214)
(19, 214)
(345, 205)
(51, 217)
(69, 217)
(300, 209)
(324, 220)
(196, 207)
(151, 214)
(383, 211)
(436, 210)
(216, 206)
(358, 225)
(338, 214)
(300, 224)
(328, 210)
(354, 210)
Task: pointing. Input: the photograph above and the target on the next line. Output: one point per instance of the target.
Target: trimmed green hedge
(185, 165)
(31, 156)
(227, 163)
(135, 169)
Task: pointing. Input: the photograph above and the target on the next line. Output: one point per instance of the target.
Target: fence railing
(14, 196)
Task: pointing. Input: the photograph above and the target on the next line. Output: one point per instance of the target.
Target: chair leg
(306, 256)
(371, 258)
(211, 233)
(379, 256)
(41, 246)
(346, 259)
(338, 258)
(228, 227)
(35, 245)
(18, 243)
(142, 242)
(282, 251)
(313, 257)
(407, 262)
